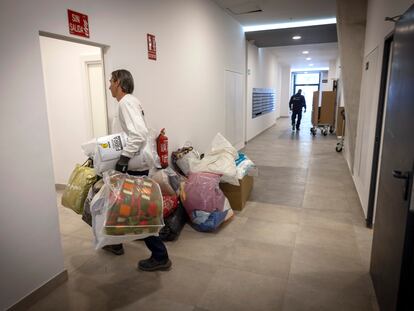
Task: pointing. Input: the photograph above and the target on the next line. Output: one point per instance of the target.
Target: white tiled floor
(300, 244)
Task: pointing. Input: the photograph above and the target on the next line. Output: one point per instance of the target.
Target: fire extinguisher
(162, 148)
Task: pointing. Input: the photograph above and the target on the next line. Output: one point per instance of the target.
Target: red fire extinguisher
(162, 148)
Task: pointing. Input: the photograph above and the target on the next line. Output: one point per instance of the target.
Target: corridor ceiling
(262, 12)
(320, 55)
(277, 11)
(320, 41)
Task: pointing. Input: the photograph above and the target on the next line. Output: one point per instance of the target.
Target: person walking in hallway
(296, 103)
(132, 122)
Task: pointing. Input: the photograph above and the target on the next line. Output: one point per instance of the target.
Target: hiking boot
(151, 264)
(298, 128)
(116, 249)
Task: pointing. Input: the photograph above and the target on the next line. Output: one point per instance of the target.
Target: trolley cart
(323, 112)
(341, 132)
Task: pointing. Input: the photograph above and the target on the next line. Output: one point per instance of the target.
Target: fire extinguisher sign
(78, 24)
(152, 47)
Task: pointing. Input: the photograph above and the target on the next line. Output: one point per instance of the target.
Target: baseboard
(41, 292)
(260, 133)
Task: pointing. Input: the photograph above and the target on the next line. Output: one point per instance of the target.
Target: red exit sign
(78, 24)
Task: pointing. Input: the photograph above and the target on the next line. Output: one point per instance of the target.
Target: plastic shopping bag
(219, 160)
(209, 222)
(181, 158)
(125, 209)
(174, 223)
(80, 181)
(107, 151)
(202, 192)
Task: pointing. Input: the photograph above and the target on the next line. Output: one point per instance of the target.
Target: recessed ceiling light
(308, 58)
(296, 37)
(305, 52)
(310, 64)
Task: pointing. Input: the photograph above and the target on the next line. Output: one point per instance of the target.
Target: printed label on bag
(117, 143)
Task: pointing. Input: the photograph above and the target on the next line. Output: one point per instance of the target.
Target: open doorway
(76, 100)
(75, 92)
(308, 82)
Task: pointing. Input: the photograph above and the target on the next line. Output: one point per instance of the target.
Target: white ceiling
(281, 11)
(277, 11)
(292, 55)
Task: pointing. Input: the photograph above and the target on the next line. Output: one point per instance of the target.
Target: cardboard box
(327, 115)
(340, 122)
(238, 195)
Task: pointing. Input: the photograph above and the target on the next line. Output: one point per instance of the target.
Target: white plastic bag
(106, 151)
(139, 197)
(183, 157)
(220, 160)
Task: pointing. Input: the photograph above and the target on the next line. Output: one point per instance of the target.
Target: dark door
(392, 247)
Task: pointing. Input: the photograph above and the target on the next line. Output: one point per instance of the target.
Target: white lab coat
(132, 122)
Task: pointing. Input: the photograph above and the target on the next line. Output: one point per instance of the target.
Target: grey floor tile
(184, 283)
(340, 241)
(317, 202)
(269, 232)
(310, 297)
(232, 289)
(261, 258)
(279, 194)
(271, 212)
(203, 247)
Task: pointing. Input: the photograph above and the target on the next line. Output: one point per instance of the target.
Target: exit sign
(78, 24)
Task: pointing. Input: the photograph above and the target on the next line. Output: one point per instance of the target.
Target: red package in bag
(170, 204)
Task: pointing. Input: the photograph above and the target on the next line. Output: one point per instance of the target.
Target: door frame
(379, 128)
(86, 61)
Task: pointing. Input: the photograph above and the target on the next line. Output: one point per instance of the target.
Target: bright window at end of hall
(307, 78)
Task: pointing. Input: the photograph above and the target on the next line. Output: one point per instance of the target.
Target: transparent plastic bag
(245, 166)
(202, 192)
(174, 179)
(161, 177)
(125, 209)
(182, 157)
(148, 157)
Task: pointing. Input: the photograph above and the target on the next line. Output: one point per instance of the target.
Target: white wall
(68, 107)
(286, 91)
(263, 73)
(183, 91)
(376, 31)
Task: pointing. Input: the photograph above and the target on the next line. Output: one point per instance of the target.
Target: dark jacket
(297, 102)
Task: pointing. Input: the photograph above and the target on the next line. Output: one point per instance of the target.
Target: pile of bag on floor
(122, 208)
(200, 194)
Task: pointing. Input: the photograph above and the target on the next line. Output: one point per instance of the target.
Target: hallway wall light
(296, 37)
(314, 22)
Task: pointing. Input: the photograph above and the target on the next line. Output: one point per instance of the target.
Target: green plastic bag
(81, 179)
